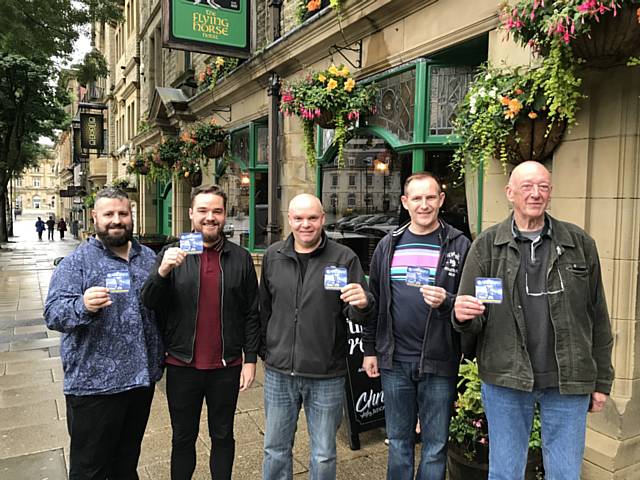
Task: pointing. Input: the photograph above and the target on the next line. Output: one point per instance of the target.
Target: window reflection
(262, 206)
(235, 182)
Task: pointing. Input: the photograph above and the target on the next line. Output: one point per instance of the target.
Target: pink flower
(483, 441)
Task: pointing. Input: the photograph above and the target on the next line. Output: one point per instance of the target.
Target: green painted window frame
(253, 167)
(422, 140)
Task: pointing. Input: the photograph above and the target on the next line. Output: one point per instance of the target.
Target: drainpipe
(273, 194)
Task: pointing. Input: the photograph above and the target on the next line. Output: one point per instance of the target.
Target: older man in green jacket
(532, 290)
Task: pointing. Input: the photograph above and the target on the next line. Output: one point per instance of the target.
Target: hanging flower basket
(331, 99)
(534, 139)
(612, 40)
(215, 150)
(195, 179)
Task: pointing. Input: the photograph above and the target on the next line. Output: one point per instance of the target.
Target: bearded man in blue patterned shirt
(111, 349)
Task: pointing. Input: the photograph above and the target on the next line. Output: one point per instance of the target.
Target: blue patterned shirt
(117, 348)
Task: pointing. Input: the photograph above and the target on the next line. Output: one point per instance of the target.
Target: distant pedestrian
(111, 349)
(40, 228)
(51, 224)
(74, 228)
(62, 227)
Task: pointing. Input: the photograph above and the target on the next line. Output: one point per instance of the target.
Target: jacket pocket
(578, 269)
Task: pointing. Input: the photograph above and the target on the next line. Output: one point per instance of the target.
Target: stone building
(35, 192)
(421, 54)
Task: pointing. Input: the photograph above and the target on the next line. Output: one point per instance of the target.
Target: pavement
(34, 440)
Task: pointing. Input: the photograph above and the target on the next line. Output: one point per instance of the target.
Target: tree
(31, 106)
(35, 37)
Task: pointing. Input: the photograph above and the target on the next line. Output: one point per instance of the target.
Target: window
(334, 180)
(36, 201)
(36, 182)
(18, 182)
(351, 200)
(246, 181)
(352, 180)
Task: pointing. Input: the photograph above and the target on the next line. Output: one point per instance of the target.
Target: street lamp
(381, 167)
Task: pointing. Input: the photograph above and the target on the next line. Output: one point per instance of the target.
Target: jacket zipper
(195, 323)
(295, 319)
(222, 307)
(444, 246)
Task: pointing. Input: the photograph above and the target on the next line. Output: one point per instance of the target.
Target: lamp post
(381, 167)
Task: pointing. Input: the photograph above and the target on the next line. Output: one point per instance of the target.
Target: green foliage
(94, 66)
(212, 73)
(209, 133)
(330, 94)
(468, 428)
(498, 97)
(89, 200)
(121, 183)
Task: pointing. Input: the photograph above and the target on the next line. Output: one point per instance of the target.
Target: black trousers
(106, 432)
(49, 234)
(186, 388)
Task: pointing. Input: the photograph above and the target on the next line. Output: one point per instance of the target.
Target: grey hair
(111, 192)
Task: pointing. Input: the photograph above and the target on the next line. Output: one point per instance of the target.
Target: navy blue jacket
(117, 348)
(441, 344)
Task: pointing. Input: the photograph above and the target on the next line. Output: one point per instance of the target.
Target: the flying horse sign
(217, 27)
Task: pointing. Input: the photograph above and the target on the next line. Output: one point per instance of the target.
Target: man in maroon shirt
(208, 309)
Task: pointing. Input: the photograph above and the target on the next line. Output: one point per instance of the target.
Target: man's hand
(95, 298)
(354, 294)
(370, 365)
(173, 258)
(433, 296)
(467, 307)
(247, 375)
(597, 401)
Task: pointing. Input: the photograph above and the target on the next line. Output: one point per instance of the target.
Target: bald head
(526, 169)
(306, 218)
(305, 200)
(529, 190)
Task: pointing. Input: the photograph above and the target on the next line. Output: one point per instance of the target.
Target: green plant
(143, 126)
(209, 133)
(140, 164)
(468, 428)
(93, 66)
(499, 97)
(331, 96)
(304, 7)
(121, 183)
(190, 161)
(212, 73)
(89, 200)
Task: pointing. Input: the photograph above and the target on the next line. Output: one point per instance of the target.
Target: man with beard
(111, 349)
(208, 307)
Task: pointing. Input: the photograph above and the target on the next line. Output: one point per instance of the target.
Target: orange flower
(313, 5)
(638, 14)
(504, 101)
(532, 115)
(509, 115)
(519, 91)
(515, 105)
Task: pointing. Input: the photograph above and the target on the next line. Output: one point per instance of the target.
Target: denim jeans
(510, 416)
(322, 400)
(408, 396)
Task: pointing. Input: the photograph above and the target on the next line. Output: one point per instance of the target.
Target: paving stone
(8, 382)
(26, 355)
(33, 344)
(31, 329)
(251, 399)
(35, 438)
(49, 465)
(54, 351)
(24, 395)
(39, 413)
(33, 365)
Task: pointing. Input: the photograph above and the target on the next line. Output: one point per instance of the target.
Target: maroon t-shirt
(207, 350)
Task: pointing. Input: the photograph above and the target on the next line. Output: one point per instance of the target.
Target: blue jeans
(283, 397)
(510, 416)
(408, 396)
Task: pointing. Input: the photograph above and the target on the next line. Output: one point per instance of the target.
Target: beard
(211, 237)
(109, 240)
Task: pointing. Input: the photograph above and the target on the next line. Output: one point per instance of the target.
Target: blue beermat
(191, 242)
(335, 278)
(418, 276)
(118, 282)
(489, 290)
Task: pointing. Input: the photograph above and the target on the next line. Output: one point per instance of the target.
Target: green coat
(579, 314)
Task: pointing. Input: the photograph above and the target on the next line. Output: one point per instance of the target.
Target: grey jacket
(578, 314)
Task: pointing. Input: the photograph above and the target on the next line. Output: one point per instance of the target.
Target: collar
(517, 234)
(289, 250)
(134, 251)
(558, 232)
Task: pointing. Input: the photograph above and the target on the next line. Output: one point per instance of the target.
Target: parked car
(228, 230)
(351, 225)
(335, 225)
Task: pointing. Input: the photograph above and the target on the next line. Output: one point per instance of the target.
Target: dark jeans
(106, 432)
(186, 388)
(409, 395)
(61, 234)
(50, 235)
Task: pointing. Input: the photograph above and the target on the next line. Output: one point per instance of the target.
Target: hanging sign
(216, 27)
(91, 135)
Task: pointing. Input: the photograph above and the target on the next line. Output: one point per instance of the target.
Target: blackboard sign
(365, 401)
